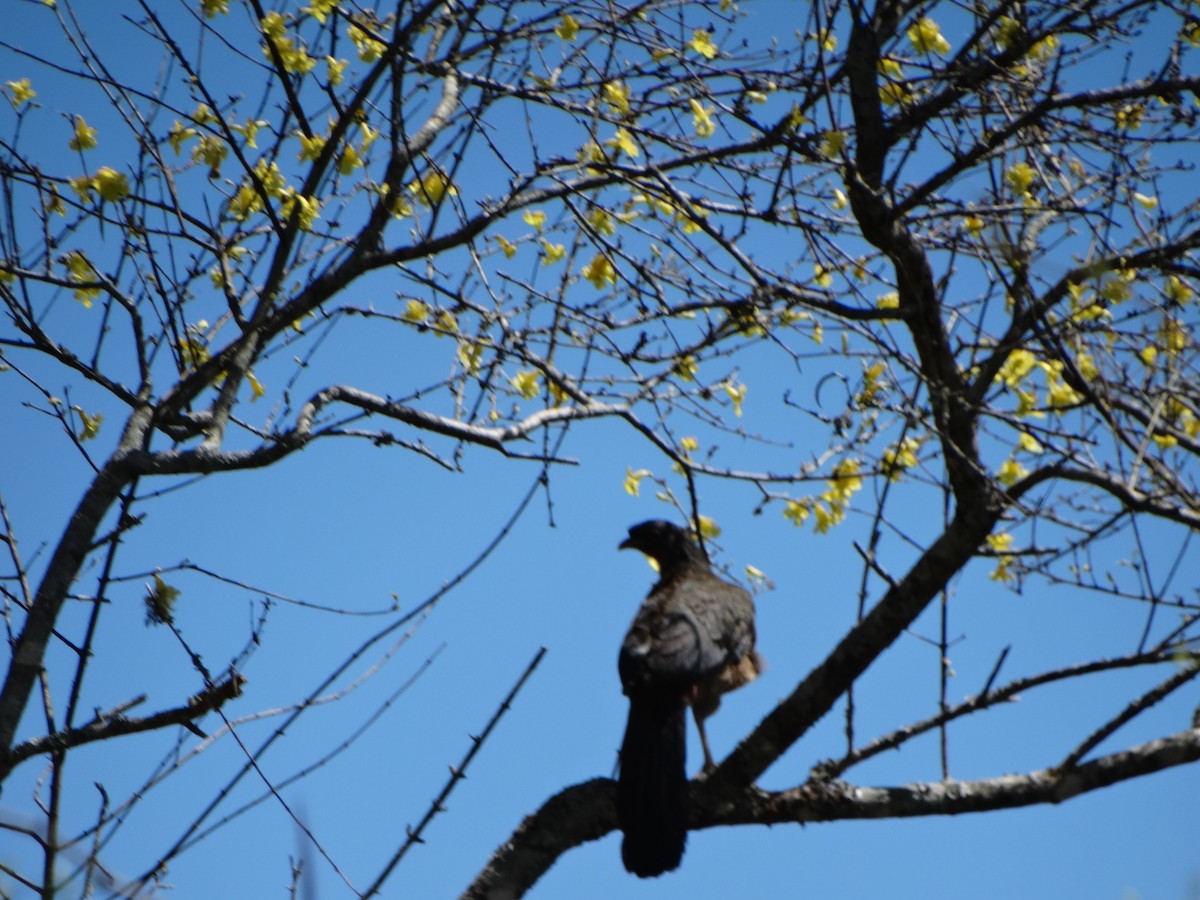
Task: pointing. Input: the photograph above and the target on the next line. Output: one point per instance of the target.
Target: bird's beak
(626, 544)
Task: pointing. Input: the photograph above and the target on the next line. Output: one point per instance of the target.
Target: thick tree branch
(898, 609)
(586, 812)
(818, 802)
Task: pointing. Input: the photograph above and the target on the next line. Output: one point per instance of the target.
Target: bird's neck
(676, 566)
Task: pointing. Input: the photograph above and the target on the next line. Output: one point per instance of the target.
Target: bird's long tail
(652, 790)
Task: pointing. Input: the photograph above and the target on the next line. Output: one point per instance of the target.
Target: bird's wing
(687, 631)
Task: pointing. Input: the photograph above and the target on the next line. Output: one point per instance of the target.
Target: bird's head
(665, 543)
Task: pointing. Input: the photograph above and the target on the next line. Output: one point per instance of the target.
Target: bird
(691, 641)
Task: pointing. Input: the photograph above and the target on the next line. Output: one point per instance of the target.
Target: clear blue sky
(346, 526)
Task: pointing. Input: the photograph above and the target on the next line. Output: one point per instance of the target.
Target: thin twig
(457, 773)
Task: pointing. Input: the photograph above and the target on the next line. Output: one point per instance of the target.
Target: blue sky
(351, 527)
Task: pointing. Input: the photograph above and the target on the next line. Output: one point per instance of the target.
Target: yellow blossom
(20, 92)
(310, 146)
(899, 457)
(973, 225)
(624, 142)
(212, 8)
(797, 511)
(737, 394)
(84, 137)
(926, 37)
(1011, 472)
(256, 388)
(758, 578)
(1178, 290)
(1173, 336)
(1018, 364)
(1020, 176)
(335, 70)
(707, 527)
(832, 144)
(1000, 544)
(826, 517)
(1027, 401)
(526, 383)
(349, 160)
(846, 481)
(894, 91)
(1086, 365)
(558, 394)
(702, 119)
(470, 355)
(211, 151)
(82, 186)
(90, 423)
(249, 130)
(602, 222)
(370, 48)
(686, 368)
(1116, 289)
(600, 271)
(80, 271)
(245, 202)
(839, 200)
(874, 387)
(507, 246)
(1008, 32)
(821, 276)
(431, 188)
(1129, 116)
(203, 115)
(320, 9)
(416, 312)
(567, 29)
(689, 445)
(890, 300)
(1059, 394)
(178, 134)
(633, 480)
(616, 95)
(1146, 202)
(1043, 49)
(552, 253)
(1029, 443)
(270, 178)
(702, 44)
(111, 184)
(307, 209)
(534, 218)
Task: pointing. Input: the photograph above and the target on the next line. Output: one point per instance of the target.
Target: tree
(915, 279)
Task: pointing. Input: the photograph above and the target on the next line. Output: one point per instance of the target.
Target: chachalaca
(691, 641)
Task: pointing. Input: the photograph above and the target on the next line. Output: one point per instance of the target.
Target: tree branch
(114, 723)
(586, 812)
(817, 802)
